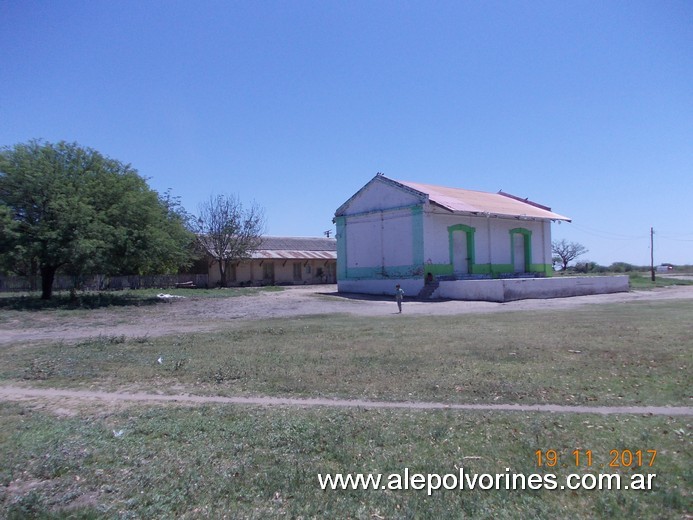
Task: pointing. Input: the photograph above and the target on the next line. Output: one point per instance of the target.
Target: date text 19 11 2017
(617, 458)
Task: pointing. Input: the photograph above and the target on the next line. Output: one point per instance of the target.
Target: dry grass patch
(628, 354)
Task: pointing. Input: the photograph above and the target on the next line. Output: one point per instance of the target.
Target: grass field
(238, 462)
(126, 298)
(640, 281)
(604, 355)
(92, 460)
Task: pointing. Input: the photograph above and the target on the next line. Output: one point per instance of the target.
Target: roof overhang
(479, 203)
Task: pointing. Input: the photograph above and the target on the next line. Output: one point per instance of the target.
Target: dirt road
(63, 397)
(209, 314)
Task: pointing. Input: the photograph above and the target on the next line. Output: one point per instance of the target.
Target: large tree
(227, 231)
(566, 252)
(68, 208)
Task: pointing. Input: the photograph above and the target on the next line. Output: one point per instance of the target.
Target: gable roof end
(379, 178)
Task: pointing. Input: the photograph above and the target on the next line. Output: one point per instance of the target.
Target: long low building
(283, 261)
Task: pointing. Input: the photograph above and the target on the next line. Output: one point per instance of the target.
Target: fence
(101, 282)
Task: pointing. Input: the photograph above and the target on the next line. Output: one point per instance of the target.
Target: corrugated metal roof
(283, 254)
(479, 202)
(297, 248)
(298, 243)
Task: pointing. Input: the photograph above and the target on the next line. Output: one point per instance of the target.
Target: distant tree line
(622, 267)
(565, 252)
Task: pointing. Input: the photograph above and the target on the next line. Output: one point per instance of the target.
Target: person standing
(399, 295)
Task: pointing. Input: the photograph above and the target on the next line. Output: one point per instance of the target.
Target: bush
(590, 267)
(621, 267)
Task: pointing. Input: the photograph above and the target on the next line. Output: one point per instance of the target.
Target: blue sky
(584, 106)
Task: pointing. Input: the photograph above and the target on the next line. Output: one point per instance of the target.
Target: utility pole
(652, 269)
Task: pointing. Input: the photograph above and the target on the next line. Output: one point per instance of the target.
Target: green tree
(227, 232)
(68, 208)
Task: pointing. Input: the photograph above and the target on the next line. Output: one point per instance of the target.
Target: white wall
(525, 288)
(379, 238)
(471, 290)
(544, 255)
(436, 238)
(363, 240)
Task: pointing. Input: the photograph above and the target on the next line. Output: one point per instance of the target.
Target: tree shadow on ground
(378, 297)
(358, 296)
(95, 300)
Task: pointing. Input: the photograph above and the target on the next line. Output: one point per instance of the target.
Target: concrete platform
(525, 288)
(498, 290)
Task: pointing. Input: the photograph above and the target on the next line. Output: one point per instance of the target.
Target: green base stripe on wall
(547, 269)
(421, 271)
(417, 234)
(341, 247)
(380, 273)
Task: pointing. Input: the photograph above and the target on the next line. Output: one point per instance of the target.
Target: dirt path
(209, 314)
(15, 393)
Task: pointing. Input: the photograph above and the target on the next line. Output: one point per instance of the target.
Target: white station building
(446, 242)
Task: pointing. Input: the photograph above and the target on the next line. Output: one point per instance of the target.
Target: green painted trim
(546, 269)
(499, 269)
(482, 269)
(471, 255)
(493, 270)
(380, 273)
(341, 247)
(527, 235)
(411, 207)
(417, 235)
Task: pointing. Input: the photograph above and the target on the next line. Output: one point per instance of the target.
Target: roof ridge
(444, 187)
(525, 200)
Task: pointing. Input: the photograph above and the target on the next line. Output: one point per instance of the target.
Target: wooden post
(652, 269)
